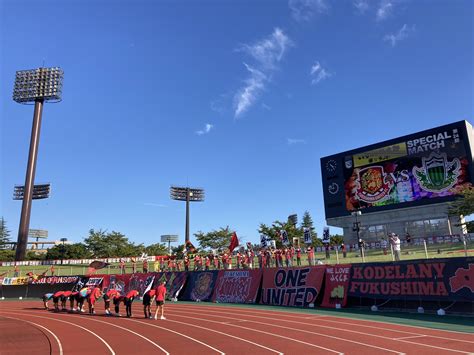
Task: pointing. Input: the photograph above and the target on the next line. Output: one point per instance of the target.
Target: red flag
(234, 242)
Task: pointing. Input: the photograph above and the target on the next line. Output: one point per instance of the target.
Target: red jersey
(151, 293)
(112, 294)
(58, 294)
(132, 293)
(67, 293)
(160, 293)
(96, 292)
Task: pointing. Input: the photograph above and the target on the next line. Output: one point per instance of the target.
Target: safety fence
(432, 284)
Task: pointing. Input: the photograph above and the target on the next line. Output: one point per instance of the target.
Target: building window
(428, 227)
(376, 232)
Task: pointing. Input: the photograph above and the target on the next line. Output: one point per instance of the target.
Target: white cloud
(384, 10)
(305, 10)
(267, 54)
(292, 141)
(206, 130)
(402, 33)
(361, 5)
(318, 73)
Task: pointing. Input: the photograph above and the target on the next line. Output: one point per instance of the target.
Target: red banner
(239, 286)
(297, 287)
(336, 286)
(126, 283)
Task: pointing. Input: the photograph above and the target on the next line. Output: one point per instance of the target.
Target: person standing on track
(107, 297)
(46, 297)
(160, 299)
(56, 297)
(95, 294)
(128, 300)
(148, 298)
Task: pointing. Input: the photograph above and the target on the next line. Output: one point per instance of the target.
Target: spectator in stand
(408, 239)
(224, 260)
(238, 259)
(298, 256)
(395, 241)
(134, 266)
(178, 265)
(160, 299)
(216, 262)
(384, 244)
(145, 266)
(16, 271)
(162, 264)
(110, 295)
(208, 263)
(286, 253)
(260, 258)
(229, 262)
(52, 270)
(156, 266)
(122, 266)
(268, 257)
(148, 298)
(344, 250)
(310, 255)
(187, 262)
(196, 263)
(128, 300)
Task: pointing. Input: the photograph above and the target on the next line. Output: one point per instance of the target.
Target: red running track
(208, 329)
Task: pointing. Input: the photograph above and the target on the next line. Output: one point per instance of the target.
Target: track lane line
(62, 321)
(118, 326)
(175, 332)
(44, 328)
(347, 330)
(315, 333)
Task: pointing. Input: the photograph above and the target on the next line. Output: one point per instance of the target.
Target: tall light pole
(36, 85)
(356, 228)
(187, 194)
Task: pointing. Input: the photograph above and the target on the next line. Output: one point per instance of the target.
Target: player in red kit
(128, 300)
(148, 298)
(107, 297)
(95, 294)
(160, 299)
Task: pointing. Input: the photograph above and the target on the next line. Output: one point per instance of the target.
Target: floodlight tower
(36, 85)
(187, 194)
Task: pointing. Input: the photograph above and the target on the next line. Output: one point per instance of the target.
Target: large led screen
(417, 169)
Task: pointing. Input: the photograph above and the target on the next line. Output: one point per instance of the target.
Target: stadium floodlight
(39, 192)
(35, 85)
(187, 194)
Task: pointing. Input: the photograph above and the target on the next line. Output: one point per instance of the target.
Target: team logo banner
(336, 285)
(442, 279)
(200, 285)
(296, 287)
(237, 286)
(174, 283)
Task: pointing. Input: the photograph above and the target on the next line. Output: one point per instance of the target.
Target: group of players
(92, 294)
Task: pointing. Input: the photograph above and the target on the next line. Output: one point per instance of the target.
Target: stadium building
(403, 185)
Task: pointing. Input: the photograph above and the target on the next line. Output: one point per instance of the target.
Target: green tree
(216, 239)
(4, 234)
(464, 206)
(336, 239)
(156, 249)
(114, 244)
(68, 251)
(273, 232)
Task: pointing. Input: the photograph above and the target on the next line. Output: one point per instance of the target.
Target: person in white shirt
(395, 241)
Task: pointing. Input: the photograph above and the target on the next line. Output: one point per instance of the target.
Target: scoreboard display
(431, 166)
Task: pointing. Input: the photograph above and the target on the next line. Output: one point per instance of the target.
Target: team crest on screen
(373, 184)
(437, 174)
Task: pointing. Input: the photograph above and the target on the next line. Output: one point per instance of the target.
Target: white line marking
(180, 334)
(412, 337)
(218, 332)
(118, 326)
(343, 329)
(76, 325)
(324, 335)
(40, 326)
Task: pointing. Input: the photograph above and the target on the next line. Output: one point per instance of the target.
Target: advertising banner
(15, 281)
(200, 285)
(442, 279)
(237, 286)
(336, 286)
(51, 280)
(296, 287)
(174, 283)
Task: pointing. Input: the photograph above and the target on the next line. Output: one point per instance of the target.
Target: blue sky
(241, 98)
